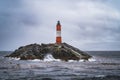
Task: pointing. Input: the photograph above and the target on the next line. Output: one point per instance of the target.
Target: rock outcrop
(61, 51)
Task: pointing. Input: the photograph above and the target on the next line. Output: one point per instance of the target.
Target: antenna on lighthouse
(58, 33)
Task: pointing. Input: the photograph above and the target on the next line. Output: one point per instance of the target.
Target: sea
(104, 65)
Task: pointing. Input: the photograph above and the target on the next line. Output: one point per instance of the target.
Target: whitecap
(92, 59)
(14, 58)
(49, 57)
(100, 76)
(35, 60)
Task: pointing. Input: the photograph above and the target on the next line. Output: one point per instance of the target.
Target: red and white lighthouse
(58, 33)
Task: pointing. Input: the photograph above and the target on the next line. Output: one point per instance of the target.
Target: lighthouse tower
(58, 33)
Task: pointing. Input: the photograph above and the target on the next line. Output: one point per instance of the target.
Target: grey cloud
(84, 22)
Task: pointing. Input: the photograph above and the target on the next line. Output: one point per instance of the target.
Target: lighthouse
(58, 33)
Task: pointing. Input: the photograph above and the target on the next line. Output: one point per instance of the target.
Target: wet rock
(61, 51)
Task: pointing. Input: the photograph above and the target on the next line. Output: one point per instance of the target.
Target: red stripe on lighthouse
(58, 28)
(58, 33)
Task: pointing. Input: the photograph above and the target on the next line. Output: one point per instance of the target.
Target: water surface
(105, 65)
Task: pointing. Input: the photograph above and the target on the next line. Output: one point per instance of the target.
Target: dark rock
(61, 51)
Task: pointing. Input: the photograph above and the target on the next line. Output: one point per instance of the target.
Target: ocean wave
(108, 77)
(13, 58)
(57, 77)
(50, 58)
(92, 59)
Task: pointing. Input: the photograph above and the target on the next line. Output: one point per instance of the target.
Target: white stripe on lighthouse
(58, 34)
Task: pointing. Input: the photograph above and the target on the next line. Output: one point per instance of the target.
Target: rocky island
(61, 51)
(58, 50)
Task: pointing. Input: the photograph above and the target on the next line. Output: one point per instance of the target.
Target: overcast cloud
(86, 24)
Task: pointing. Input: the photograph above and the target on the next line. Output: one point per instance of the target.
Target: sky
(86, 24)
